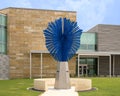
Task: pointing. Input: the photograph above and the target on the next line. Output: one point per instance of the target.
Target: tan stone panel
(25, 33)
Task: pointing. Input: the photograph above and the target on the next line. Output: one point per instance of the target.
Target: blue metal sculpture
(62, 38)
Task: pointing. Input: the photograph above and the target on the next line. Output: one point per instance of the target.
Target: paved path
(61, 92)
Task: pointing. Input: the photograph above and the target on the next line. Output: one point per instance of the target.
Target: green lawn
(18, 87)
(106, 87)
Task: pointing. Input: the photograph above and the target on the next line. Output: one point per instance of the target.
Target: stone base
(62, 80)
(78, 83)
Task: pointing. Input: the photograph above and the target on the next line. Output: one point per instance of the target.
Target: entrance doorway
(87, 67)
(83, 69)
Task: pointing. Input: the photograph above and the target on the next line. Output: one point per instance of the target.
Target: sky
(89, 12)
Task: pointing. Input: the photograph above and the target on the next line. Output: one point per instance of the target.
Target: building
(24, 28)
(22, 40)
(107, 49)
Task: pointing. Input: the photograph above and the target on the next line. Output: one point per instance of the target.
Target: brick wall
(25, 32)
(49, 66)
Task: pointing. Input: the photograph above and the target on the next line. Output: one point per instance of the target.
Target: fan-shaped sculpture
(62, 41)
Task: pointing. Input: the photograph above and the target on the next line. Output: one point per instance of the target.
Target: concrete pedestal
(62, 80)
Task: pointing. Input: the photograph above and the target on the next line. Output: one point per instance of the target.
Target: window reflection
(88, 42)
(3, 36)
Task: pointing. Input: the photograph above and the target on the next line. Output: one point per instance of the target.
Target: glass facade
(87, 65)
(88, 42)
(3, 34)
(90, 64)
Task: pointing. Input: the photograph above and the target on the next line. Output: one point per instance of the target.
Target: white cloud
(89, 12)
(20, 3)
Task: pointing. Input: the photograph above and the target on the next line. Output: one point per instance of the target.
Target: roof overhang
(83, 53)
(39, 51)
(93, 53)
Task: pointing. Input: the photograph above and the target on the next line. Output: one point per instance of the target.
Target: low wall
(78, 83)
(4, 67)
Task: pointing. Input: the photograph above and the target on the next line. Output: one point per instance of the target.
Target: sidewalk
(60, 92)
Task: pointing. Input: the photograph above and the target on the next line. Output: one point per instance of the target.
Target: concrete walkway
(61, 92)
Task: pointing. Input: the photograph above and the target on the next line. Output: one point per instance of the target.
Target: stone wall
(108, 37)
(25, 32)
(4, 67)
(49, 66)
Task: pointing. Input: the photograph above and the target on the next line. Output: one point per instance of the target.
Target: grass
(18, 87)
(106, 87)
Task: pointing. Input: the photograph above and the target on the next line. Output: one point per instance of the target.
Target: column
(78, 64)
(110, 65)
(30, 65)
(41, 63)
(113, 65)
(98, 66)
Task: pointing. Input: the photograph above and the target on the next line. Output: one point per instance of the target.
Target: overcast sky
(89, 12)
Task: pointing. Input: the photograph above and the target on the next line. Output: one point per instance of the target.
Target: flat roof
(2, 14)
(84, 53)
(38, 9)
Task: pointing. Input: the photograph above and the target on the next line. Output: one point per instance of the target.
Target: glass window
(83, 61)
(2, 20)
(3, 34)
(88, 41)
(83, 46)
(88, 38)
(3, 48)
(0, 34)
(91, 65)
(90, 61)
(91, 47)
